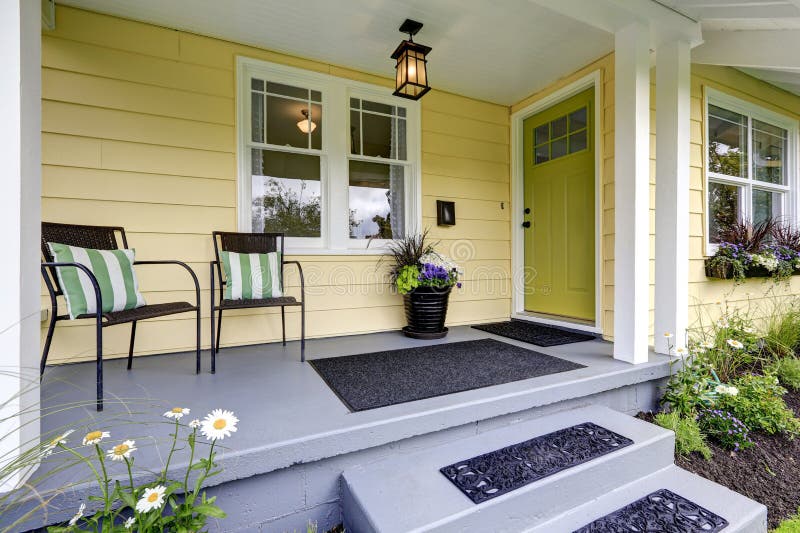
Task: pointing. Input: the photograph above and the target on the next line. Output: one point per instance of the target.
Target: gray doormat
(521, 330)
(492, 474)
(371, 380)
(661, 510)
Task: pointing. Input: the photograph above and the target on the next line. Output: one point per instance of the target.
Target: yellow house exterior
(138, 130)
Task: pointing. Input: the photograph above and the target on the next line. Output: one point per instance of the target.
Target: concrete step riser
(372, 495)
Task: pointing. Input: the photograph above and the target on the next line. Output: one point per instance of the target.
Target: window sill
(347, 252)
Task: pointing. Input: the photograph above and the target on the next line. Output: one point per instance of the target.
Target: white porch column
(631, 193)
(672, 193)
(20, 216)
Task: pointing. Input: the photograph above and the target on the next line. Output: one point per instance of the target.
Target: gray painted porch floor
(288, 415)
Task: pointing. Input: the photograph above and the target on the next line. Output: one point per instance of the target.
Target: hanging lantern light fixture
(306, 124)
(411, 80)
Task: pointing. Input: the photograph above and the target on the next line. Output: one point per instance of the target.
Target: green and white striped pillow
(113, 269)
(251, 276)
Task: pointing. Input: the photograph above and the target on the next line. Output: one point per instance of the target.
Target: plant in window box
(744, 252)
(425, 278)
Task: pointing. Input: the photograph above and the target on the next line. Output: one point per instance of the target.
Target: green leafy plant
(782, 334)
(407, 279)
(790, 525)
(162, 505)
(407, 252)
(726, 429)
(688, 437)
(758, 403)
(690, 388)
(788, 372)
(417, 264)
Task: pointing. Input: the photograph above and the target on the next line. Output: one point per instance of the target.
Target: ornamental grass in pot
(425, 278)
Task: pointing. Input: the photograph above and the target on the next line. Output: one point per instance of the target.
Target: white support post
(673, 99)
(631, 193)
(20, 218)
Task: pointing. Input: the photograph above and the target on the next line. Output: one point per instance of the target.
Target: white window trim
(334, 155)
(791, 209)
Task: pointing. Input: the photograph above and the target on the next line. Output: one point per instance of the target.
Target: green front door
(560, 207)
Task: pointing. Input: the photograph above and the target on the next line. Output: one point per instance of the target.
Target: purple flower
(458, 285)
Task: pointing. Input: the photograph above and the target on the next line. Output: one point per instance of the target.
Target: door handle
(526, 224)
(527, 210)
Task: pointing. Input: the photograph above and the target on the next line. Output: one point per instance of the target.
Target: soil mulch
(768, 472)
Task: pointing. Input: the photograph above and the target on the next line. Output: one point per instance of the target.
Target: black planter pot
(426, 310)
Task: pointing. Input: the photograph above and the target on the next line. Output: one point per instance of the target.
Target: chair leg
(219, 327)
(99, 327)
(50, 330)
(283, 323)
(130, 349)
(198, 364)
(213, 341)
(303, 332)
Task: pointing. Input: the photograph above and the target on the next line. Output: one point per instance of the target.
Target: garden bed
(769, 472)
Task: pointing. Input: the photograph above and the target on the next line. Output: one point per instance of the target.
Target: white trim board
(593, 79)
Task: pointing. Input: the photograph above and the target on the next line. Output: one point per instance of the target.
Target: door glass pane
(766, 205)
(577, 119)
(769, 152)
(542, 153)
(284, 123)
(558, 148)
(724, 208)
(286, 193)
(558, 127)
(542, 134)
(577, 142)
(377, 200)
(257, 116)
(727, 142)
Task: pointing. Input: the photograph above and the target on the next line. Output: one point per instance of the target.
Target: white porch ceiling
(498, 51)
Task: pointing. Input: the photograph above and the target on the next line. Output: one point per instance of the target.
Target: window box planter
(726, 271)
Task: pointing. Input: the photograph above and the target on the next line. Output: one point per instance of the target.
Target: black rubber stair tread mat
(495, 473)
(661, 511)
(521, 330)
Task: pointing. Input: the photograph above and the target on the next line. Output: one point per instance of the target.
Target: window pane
(286, 193)
(316, 96)
(558, 148)
(355, 132)
(402, 149)
(542, 153)
(257, 116)
(769, 152)
(727, 142)
(577, 142)
(355, 103)
(257, 85)
(377, 132)
(377, 200)
(380, 108)
(577, 119)
(724, 208)
(766, 204)
(287, 90)
(558, 128)
(285, 120)
(542, 134)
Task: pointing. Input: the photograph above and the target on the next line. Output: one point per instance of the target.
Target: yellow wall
(757, 295)
(138, 130)
(605, 66)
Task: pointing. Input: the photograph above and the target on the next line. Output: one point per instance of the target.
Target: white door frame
(593, 79)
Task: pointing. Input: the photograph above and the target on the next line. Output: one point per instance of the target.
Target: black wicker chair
(252, 243)
(103, 238)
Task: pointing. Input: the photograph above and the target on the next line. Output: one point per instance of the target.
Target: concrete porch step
(408, 493)
(743, 514)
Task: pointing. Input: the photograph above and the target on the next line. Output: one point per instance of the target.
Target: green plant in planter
(758, 403)
(407, 279)
(417, 264)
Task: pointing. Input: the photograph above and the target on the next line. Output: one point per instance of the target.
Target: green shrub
(725, 429)
(790, 525)
(688, 437)
(758, 403)
(782, 335)
(788, 372)
(691, 388)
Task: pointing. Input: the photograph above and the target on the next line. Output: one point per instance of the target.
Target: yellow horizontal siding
(139, 131)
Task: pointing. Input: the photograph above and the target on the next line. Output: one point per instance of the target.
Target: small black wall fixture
(411, 80)
(445, 213)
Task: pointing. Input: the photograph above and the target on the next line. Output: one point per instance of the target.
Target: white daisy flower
(668, 335)
(94, 437)
(723, 322)
(748, 329)
(194, 424)
(129, 523)
(735, 344)
(177, 413)
(707, 345)
(153, 498)
(78, 515)
(122, 451)
(681, 351)
(218, 424)
(53, 444)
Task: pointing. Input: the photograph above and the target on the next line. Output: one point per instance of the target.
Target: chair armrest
(181, 264)
(88, 272)
(302, 279)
